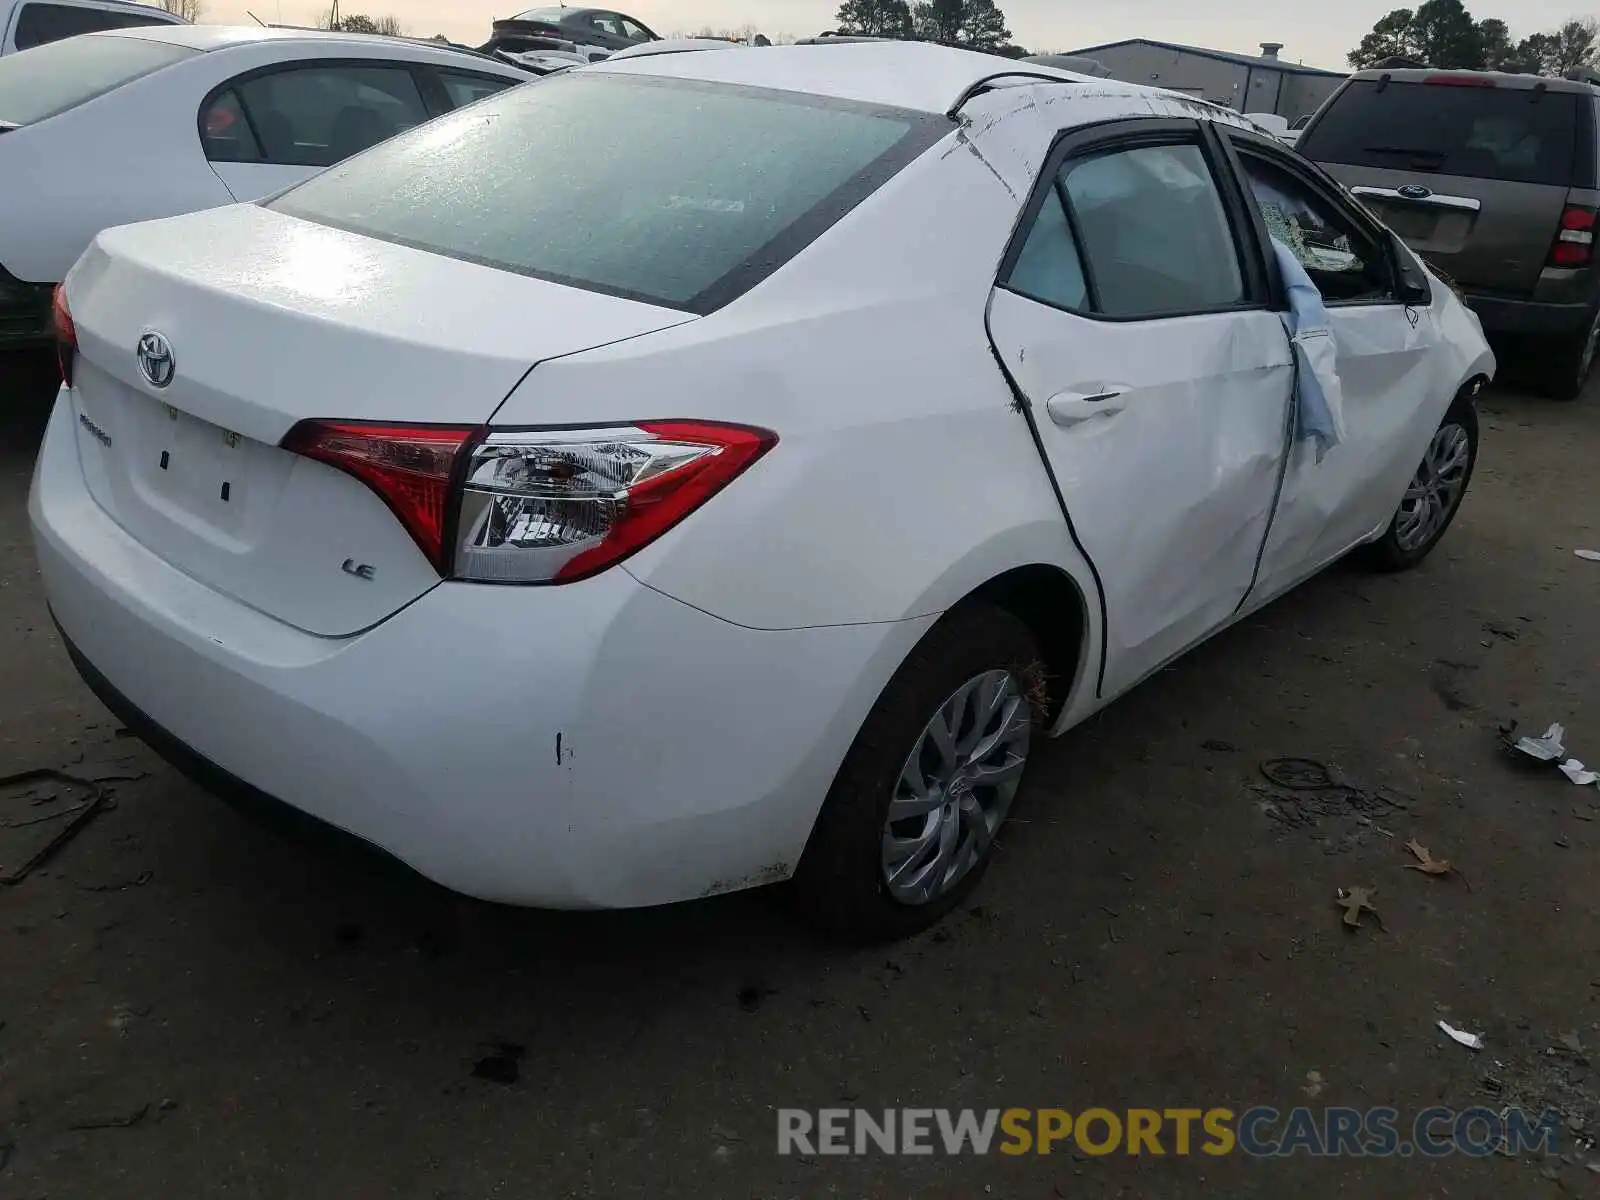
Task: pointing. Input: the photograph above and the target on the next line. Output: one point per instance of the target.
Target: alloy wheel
(956, 787)
(1436, 489)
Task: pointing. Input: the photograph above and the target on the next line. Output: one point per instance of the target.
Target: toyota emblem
(155, 359)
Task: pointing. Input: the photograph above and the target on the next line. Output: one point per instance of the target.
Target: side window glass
(1342, 260)
(1049, 269)
(609, 23)
(1154, 232)
(317, 116)
(464, 89)
(634, 33)
(38, 24)
(226, 134)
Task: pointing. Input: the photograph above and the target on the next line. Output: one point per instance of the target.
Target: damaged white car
(706, 469)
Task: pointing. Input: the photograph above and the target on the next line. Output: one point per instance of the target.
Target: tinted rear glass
(1514, 134)
(44, 81)
(42, 22)
(669, 191)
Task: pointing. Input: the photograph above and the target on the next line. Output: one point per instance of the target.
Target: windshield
(674, 192)
(50, 79)
(1515, 134)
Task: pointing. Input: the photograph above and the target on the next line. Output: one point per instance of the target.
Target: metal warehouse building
(1261, 83)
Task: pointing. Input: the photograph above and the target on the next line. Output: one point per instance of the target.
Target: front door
(1328, 506)
(1159, 379)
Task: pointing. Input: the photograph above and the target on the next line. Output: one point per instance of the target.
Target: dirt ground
(233, 1014)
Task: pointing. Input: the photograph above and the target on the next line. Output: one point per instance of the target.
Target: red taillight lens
(1574, 244)
(410, 466)
(66, 333)
(554, 506)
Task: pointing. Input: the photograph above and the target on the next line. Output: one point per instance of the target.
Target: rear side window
(47, 80)
(466, 89)
(39, 23)
(316, 116)
(1154, 231)
(674, 192)
(1513, 134)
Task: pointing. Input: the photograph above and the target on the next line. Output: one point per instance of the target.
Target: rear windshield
(46, 80)
(674, 192)
(1514, 134)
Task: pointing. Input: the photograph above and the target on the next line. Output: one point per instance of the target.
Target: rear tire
(1435, 493)
(851, 879)
(1564, 364)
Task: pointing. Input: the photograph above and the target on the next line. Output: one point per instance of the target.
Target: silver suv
(1492, 179)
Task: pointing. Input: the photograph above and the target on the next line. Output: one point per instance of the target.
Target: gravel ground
(192, 1006)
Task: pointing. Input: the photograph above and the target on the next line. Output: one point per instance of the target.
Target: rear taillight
(1574, 244)
(535, 506)
(410, 466)
(66, 333)
(553, 506)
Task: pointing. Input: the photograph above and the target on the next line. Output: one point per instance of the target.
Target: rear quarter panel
(904, 477)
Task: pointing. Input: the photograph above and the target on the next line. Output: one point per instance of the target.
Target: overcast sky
(1317, 38)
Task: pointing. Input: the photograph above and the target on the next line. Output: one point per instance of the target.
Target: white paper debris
(1578, 773)
(1547, 748)
(1470, 1040)
(1591, 555)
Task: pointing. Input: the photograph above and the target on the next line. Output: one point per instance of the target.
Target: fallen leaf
(1426, 863)
(1356, 901)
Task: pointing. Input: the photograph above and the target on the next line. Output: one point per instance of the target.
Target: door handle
(1073, 407)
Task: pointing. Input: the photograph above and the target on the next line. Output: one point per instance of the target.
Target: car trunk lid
(251, 321)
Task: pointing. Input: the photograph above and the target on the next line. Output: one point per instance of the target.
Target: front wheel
(909, 825)
(1435, 492)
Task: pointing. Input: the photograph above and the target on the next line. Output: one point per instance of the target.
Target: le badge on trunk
(156, 363)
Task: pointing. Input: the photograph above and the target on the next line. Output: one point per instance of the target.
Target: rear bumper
(1529, 317)
(592, 745)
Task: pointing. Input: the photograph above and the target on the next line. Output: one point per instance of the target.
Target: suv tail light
(66, 333)
(1574, 244)
(535, 506)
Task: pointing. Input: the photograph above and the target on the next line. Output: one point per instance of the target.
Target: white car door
(1382, 354)
(273, 127)
(1138, 329)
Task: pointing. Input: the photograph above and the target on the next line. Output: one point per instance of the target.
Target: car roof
(220, 37)
(1499, 79)
(913, 75)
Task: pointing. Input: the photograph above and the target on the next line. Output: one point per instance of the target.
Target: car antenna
(255, 18)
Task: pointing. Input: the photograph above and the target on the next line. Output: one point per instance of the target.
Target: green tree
(876, 18)
(983, 25)
(938, 21)
(1390, 38)
(1494, 42)
(1441, 33)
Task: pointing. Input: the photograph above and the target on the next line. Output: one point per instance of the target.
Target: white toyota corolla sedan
(135, 123)
(708, 469)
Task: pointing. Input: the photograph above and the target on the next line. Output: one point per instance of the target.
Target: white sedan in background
(704, 469)
(121, 126)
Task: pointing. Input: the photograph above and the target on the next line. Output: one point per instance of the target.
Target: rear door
(269, 129)
(1325, 507)
(1138, 329)
(1471, 174)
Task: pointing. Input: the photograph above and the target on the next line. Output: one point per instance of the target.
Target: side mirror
(1411, 280)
